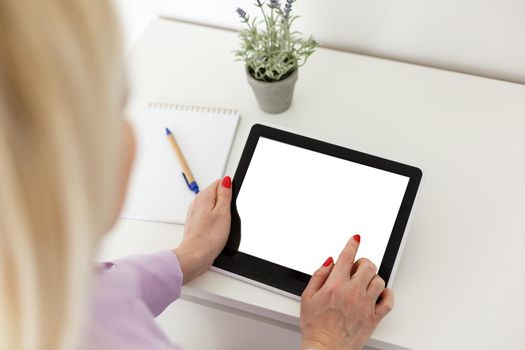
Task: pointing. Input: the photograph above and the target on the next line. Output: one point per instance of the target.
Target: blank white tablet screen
(298, 207)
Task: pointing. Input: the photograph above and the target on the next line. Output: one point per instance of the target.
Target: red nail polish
(357, 238)
(328, 262)
(227, 182)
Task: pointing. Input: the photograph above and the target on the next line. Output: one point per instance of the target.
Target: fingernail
(357, 238)
(227, 182)
(328, 262)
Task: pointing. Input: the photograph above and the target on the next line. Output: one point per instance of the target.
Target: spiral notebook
(157, 191)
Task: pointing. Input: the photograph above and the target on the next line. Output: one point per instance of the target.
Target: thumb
(318, 278)
(224, 194)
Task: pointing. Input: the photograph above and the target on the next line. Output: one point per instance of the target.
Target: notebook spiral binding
(188, 108)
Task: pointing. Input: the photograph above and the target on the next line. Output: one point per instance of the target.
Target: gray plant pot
(273, 97)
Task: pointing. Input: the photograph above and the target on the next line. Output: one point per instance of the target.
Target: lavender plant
(269, 47)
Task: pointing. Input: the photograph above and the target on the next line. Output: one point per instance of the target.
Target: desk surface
(460, 281)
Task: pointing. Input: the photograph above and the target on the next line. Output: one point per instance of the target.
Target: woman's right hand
(340, 307)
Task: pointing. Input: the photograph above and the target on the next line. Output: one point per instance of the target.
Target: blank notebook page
(157, 190)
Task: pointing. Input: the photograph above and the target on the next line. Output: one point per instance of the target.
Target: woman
(65, 157)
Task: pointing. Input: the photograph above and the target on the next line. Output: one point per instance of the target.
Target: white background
(483, 37)
(298, 207)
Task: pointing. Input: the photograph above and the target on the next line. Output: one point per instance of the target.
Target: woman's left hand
(206, 230)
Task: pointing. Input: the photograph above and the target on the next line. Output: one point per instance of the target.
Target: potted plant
(273, 53)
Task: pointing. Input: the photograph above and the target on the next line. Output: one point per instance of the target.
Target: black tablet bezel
(287, 279)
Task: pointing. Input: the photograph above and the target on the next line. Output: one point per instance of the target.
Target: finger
(207, 196)
(356, 265)
(318, 278)
(375, 287)
(224, 195)
(386, 304)
(364, 273)
(344, 263)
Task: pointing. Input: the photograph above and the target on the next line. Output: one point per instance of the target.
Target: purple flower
(274, 4)
(288, 7)
(242, 14)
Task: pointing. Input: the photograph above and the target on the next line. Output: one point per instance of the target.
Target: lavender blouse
(128, 295)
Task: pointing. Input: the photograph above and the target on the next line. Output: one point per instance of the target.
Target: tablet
(296, 202)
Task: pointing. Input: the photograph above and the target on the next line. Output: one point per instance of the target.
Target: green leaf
(269, 48)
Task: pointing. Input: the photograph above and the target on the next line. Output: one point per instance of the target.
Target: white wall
(485, 37)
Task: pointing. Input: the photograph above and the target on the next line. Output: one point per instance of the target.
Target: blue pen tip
(168, 131)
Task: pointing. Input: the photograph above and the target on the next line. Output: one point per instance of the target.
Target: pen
(186, 172)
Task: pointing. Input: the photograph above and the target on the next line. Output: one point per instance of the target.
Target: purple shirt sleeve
(158, 275)
(126, 296)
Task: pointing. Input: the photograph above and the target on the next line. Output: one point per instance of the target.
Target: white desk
(460, 281)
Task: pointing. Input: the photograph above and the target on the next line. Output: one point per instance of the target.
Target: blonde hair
(61, 95)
